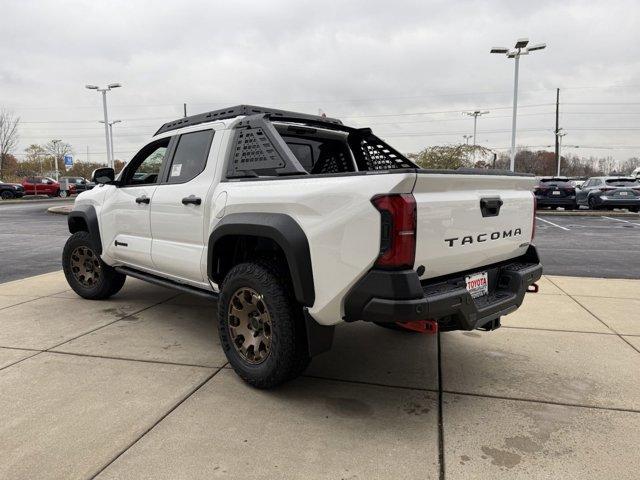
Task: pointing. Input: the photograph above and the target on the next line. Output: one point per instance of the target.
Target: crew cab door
(125, 216)
(180, 207)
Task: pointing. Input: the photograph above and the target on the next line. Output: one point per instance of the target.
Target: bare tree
(8, 133)
(57, 149)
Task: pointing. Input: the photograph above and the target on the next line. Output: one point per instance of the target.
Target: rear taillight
(535, 212)
(607, 189)
(397, 231)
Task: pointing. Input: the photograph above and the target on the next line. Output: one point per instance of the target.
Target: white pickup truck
(296, 223)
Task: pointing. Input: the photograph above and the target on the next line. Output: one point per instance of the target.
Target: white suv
(296, 223)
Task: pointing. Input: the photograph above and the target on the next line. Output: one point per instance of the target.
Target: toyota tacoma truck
(296, 223)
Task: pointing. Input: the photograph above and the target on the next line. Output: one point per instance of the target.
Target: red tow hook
(421, 326)
(533, 288)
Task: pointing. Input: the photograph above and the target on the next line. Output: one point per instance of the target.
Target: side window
(190, 156)
(144, 168)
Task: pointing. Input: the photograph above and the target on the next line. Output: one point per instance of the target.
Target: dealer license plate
(477, 284)
(556, 192)
(624, 194)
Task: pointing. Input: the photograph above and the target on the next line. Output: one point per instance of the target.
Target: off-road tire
(288, 354)
(6, 195)
(109, 281)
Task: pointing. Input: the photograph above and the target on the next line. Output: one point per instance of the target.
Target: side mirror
(103, 175)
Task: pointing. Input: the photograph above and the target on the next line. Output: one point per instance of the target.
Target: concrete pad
(47, 322)
(307, 429)
(64, 416)
(367, 353)
(597, 287)
(548, 288)
(574, 368)
(10, 300)
(38, 286)
(9, 356)
(165, 333)
(622, 315)
(554, 312)
(502, 439)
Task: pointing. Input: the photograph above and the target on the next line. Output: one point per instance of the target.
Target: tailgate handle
(490, 206)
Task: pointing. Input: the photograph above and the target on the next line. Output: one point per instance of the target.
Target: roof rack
(237, 111)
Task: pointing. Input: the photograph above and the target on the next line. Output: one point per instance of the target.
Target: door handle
(191, 200)
(143, 199)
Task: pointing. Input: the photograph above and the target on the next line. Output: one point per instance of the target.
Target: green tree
(449, 157)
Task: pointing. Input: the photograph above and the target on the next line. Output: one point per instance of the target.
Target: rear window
(191, 156)
(621, 181)
(555, 183)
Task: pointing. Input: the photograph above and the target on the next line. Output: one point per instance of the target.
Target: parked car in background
(43, 186)
(636, 173)
(80, 184)
(609, 193)
(554, 192)
(10, 190)
(577, 182)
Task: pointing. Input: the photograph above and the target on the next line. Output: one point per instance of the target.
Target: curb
(24, 201)
(586, 213)
(62, 210)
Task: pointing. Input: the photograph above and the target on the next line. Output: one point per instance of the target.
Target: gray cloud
(348, 58)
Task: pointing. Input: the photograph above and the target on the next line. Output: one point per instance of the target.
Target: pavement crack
(157, 422)
(440, 413)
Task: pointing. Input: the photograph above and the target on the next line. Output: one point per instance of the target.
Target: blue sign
(68, 161)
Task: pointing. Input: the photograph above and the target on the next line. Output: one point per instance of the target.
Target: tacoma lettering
(482, 237)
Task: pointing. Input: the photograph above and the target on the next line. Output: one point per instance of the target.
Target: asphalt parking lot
(606, 247)
(31, 240)
(137, 387)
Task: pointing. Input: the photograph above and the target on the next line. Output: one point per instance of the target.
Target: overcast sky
(385, 64)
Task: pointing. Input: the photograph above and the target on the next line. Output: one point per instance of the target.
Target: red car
(44, 186)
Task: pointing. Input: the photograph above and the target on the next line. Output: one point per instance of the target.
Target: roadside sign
(68, 160)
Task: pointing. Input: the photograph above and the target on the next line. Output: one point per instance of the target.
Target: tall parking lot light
(475, 116)
(113, 152)
(521, 48)
(106, 117)
(560, 133)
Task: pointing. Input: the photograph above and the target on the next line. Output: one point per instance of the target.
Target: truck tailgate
(465, 221)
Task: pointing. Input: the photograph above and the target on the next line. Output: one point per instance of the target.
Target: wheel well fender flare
(280, 228)
(85, 218)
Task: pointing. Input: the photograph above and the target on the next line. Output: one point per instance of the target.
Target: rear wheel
(261, 326)
(85, 271)
(6, 195)
(592, 204)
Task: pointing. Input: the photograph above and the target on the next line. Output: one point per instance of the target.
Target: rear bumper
(556, 202)
(617, 202)
(388, 296)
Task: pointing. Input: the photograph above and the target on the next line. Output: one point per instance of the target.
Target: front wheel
(592, 204)
(261, 326)
(6, 195)
(85, 271)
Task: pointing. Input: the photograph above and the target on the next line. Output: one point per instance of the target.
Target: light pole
(559, 134)
(466, 138)
(521, 48)
(55, 156)
(113, 155)
(475, 116)
(106, 117)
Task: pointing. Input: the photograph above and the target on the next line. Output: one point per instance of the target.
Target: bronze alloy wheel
(85, 266)
(250, 325)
